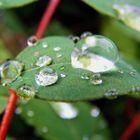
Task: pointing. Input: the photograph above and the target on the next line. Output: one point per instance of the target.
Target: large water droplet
(65, 110)
(86, 34)
(10, 70)
(26, 92)
(129, 14)
(44, 60)
(96, 79)
(111, 94)
(31, 41)
(46, 77)
(95, 112)
(95, 53)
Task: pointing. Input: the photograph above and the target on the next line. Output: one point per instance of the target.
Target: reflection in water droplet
(97, 54)
(86, 34)
(95, 112)
(75, 39)
(129, 14)
(18, 110)
(30, 113)
(96, 79)
(65, 110)
(85, 76)
(31, 41)
(63, 75)
(46, 76)
(57, 49)
(111, 94)
(44, 60)
(10, 70)
(44, 45)
(26, 92)
(44, 129)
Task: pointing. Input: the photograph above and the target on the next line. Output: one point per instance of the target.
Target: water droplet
(111, 94)
(96, 79)
(44, 129)
(58, 55)
(86, 34)
(26, 92)
(65, 110)
(18, 110)
(85, 138)
(75, 39)
(44, 60)
(31, 41)
(129, 14)
(10, 70)
(121, 71)
(44, 45)
(95, 112)
(63, 75)
(95, 53)
(133, 73)
(30, 113)
(46, 76)
(85, 76)
(57, 49)
(36, 54)
(135, 89)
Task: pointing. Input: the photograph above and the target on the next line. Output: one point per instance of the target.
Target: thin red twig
(135, 123)
(8, 114)
(13, 98)
(46, 18)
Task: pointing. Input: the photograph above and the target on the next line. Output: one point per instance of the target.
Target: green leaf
(14, 3)
(3, 102)
(72, 87)
(50, 125)
(113, 8)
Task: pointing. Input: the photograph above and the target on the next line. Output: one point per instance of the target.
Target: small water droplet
(18, 110)
(44, 129)
(36, 54)
(10, 70)
(121, 71)
(85, 138)
(135, 89)
(111, 94)
(31, 41)
(57, 49)
(133, 73)
(44, 45)
(46, 77)
(85, 76)
(65, 110)
(63, 75)
(129, 14)
(44, 60)
(96, 54)
(30, 113)
(58, 55)
(75, 39)
(86, 34)
(26, 92)
(96, 79)
(95, 112)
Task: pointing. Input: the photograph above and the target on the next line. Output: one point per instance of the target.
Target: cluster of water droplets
(128, 13)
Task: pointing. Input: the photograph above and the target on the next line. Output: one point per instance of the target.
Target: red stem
(8, 114)
(46, 18)
(135, 123)
(13, 98)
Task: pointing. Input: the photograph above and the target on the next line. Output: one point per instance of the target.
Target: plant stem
(13, 98)
(135, 123)
(46, 18)
(8, 114)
